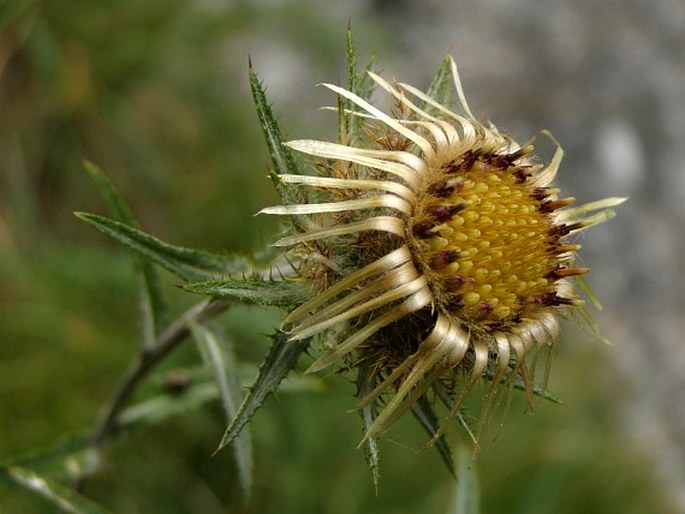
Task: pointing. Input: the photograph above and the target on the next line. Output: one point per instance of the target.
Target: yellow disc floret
(487, 240)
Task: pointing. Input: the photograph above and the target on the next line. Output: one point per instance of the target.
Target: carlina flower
(439, 249)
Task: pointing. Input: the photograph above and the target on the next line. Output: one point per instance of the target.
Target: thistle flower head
(439, 248)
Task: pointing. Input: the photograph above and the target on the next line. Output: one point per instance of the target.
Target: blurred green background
(156, 94)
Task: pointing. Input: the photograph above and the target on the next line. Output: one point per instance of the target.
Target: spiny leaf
(345, 119)
(351, 61)
(217, 352)
(189, 264)
(367, 414)
(441, 88)
(56, 493)
(282, 357)
(365, 84)
(261, 292)
(362, 85)
(153, 305)
(281, 156)
(425, 414)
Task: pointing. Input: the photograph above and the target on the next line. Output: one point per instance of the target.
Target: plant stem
(147, 360)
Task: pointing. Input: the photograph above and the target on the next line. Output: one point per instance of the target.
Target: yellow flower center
(486, 239)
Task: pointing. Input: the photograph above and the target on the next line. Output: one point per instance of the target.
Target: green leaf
(368, 413)
(58, 494)
(199, 389)
(152, 303)
(441, 88)
(68, 459)
(423, 412)
(467, 494)
(361, 84)
(351, 61)
(365, 84)
(345, 119)
(162, 407)
(115, 203)
(282, 157)
(189, 264)
(282, 357)
(254, 290)
(218, 354)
